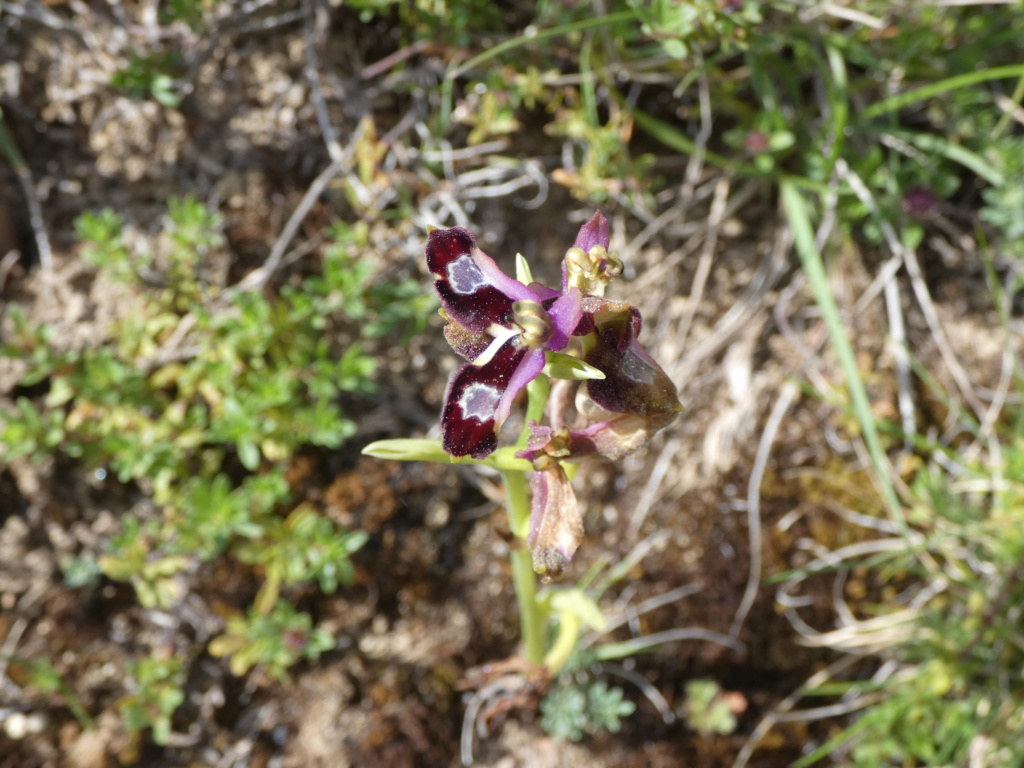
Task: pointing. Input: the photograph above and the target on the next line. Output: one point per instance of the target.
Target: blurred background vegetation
(211, 225)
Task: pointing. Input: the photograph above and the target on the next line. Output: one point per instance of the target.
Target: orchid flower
(506, 330)
(502, 327)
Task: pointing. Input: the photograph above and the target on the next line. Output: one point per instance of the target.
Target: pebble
(18, 725)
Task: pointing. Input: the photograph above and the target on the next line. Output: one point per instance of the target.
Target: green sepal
(523, 272)
(419, 449)
(562, 366)
(409, 449)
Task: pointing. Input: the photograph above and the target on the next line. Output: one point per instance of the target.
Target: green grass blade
(931, 144)
(839, 102)
(675, 139)
(541, 35)
(965, 80)
(814, 269)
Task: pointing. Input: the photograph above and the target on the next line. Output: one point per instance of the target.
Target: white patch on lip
(464, 276)
(479, 401)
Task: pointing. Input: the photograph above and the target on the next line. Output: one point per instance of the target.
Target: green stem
(531, 619)
(517, 502)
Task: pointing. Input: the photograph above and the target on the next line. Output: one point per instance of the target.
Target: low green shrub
(197, 397)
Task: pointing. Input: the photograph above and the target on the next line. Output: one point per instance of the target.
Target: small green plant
(273, 642)
(202, 396)
(45, 678)
(300, 548)
(707, 710)
(158, 692)
(1004, 204)
(570, 710)
(81, 571)
(515, 342)
(150, 76)
(192, 12)
(157, 579)
(454, 21)
(679, 27)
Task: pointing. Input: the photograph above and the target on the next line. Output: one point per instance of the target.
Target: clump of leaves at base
(570, 710)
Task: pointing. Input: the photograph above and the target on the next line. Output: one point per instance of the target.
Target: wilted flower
(556, 526)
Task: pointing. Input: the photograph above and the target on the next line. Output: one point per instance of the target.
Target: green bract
(562, 366)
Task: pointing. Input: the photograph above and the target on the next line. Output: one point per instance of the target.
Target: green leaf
(941, 87)
(162, 89)
(248, 454)
(937, 145)
(781, 140)
(799, 218)
(562, 366)
(579, 604)
(707, 712)
(675, 48)
(607, 706)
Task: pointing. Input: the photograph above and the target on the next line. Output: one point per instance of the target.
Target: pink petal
(594, 232)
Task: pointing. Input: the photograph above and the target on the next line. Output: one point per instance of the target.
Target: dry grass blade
(650, 492)
(924, 299)
(700, 278)
(6, 265)
(258, 278)
(652, 694)
(315, 26)
(638, 644)
(741, 314)
(35, 212)
(787, 704)
(898, 338)
(782, 405)
(629, 613)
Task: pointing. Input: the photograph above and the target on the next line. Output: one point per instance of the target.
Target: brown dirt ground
(433, 593)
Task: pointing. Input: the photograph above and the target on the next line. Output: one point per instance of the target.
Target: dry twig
(35, 212)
